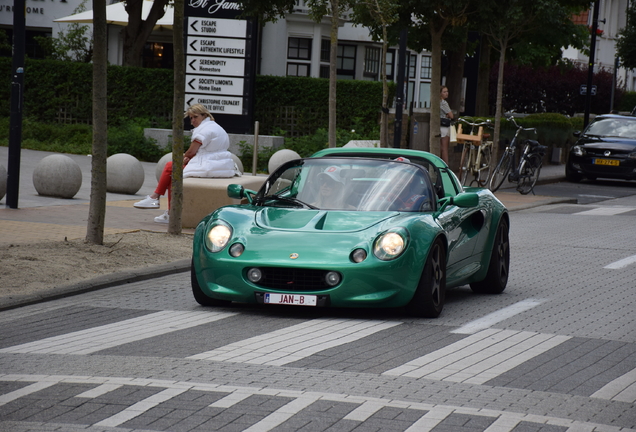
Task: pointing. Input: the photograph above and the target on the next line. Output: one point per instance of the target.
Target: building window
(325, 50)
(425, 70)
(158, 55)
(324, 71)
(299, 48)
(372, 62)
(425, 95)
(346, 61)
(298, 69)
(390, 65)
(412, 66)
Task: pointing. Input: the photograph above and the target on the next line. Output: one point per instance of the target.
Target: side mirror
(576, 133)
(236, 191)
(466, 200)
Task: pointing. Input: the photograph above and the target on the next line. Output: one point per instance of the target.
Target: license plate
(606, 162)
(291, 299)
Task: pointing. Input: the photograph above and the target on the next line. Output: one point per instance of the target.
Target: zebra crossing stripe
(479, 357)
(24, 391)
(296, 342)
(622, 389)
(282, 414)
(141, 407)
(107, 336)
(605, 211)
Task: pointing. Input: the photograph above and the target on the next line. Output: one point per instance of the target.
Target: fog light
(332, 278)
(236, 250)
(576, 166)
(358, 255)
(254, 275)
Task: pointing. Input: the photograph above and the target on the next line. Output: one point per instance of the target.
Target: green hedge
(61, 92)
(628, 102)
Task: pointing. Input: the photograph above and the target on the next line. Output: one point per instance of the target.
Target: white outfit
(212, 158)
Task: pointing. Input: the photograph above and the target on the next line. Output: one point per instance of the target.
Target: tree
(97, 206)
(434, 17)
(74, 44)
(626, 44)
(176, 199)
(138, 30)
(506, 22)
(272, 10)
(378, 15)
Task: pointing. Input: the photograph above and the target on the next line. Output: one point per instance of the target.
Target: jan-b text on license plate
(610, 162)
(291, 299)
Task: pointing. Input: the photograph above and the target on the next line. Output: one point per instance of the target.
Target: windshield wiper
(294, 201)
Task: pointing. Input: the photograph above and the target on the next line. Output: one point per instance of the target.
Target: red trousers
(165, 181)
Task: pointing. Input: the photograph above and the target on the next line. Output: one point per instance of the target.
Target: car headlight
(390, 245)
(578, 151)
(218, 237)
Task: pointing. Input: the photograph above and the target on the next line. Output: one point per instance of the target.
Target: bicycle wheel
(501, 171)
(529, 174)
(467, 164)
(484, 164)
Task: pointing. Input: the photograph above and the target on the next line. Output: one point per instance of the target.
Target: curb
(100, 282)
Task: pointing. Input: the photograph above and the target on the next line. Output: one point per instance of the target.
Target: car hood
(319, 220)
(613, 143)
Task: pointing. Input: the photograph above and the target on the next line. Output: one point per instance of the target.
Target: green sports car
(353, 227)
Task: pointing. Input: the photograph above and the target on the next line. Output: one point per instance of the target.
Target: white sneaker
(147, 203)
(164, 218)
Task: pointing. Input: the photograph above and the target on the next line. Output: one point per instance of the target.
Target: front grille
(293, 279)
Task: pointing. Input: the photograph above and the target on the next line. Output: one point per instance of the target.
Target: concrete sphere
(238, 163)
(3, 181)
(161, 164)
(57, 176)
(280, 157)
(124, 174)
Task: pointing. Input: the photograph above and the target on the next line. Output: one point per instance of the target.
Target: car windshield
(613, 127)
(349, 184)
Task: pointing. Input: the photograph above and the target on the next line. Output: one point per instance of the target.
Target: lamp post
(590, 66)
(17, 93)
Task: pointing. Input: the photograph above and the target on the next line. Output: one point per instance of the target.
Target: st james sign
(220, 61)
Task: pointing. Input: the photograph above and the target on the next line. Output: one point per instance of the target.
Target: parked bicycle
(476, 154)
(526, 172)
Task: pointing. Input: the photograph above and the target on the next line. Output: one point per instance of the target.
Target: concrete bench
(201, 196)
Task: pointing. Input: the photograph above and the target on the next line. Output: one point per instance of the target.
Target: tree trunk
(499, 104)
(436, 79)
(176, 198)
(333, 57)
(482, 108)
(455, 77)
(138, 30)
(97, 206)
(384, 113)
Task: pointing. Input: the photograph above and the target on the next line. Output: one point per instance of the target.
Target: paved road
(555, 352)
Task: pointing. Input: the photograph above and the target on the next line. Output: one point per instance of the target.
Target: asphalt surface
(40, 218)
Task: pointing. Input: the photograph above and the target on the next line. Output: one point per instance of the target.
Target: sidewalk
(40, 218)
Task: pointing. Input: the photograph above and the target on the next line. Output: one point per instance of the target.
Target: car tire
(198, 293)
(428, 300)
(571, 175)
(499, 267)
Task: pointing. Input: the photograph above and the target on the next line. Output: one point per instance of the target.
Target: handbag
(445, 121)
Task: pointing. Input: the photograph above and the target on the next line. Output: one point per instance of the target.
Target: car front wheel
(198, 293)
(428, 300)
(497, 276)
(571, 175)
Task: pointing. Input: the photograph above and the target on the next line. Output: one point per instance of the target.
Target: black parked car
(606, 148)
